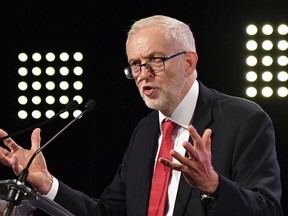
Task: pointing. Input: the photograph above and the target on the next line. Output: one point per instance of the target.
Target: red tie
(159, 189)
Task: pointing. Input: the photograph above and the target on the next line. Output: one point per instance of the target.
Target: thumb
(35, 139)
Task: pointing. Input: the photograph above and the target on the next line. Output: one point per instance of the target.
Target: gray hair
(175, 31)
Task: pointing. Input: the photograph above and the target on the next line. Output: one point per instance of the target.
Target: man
(224, 159)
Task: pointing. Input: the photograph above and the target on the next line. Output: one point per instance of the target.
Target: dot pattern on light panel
(266, 60)
(47, 82)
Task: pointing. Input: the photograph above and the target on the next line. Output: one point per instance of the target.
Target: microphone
(71, 106)
(15, 194)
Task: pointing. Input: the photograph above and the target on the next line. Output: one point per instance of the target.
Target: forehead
(146, 41)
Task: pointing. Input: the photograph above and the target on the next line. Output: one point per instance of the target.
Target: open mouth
(148, 90)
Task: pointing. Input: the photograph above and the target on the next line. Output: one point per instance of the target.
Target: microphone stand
(15, 194)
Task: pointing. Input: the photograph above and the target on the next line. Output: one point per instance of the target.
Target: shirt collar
(183, 113)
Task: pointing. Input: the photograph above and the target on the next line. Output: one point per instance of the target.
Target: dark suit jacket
(243, 153)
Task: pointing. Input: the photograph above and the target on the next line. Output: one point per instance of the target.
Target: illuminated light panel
(266, 60)
(47, 82)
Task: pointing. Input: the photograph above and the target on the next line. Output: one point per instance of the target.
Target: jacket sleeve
(253, 186)
(78, 203)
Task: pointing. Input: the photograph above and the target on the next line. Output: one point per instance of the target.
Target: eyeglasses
(156, 64)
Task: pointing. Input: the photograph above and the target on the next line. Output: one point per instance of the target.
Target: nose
(145, 71)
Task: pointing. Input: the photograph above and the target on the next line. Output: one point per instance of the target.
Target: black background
(87, 155)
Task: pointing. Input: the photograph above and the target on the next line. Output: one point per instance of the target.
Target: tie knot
(167, 128)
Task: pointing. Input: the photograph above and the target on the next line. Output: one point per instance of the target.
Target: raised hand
(197, 167)
(17, 158)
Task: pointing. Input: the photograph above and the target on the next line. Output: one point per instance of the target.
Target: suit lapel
(201, 120)
(143, 164)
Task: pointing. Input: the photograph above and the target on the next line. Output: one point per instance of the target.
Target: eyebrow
(148, 57)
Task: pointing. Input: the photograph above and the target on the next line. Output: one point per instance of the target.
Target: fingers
(201, 151)
(9, 142)
(201, 143)
(4, 157)
(3, 133)
(15, 165)
(35, 139)
(207, 139)
(181, 163)
(197, 167)
(11, 145)
(172, 165)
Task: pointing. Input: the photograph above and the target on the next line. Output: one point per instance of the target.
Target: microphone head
(89, 106)
(71, 106)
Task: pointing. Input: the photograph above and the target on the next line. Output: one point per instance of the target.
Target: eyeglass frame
(128, 70)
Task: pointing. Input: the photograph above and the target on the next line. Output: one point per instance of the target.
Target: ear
(191, 62)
